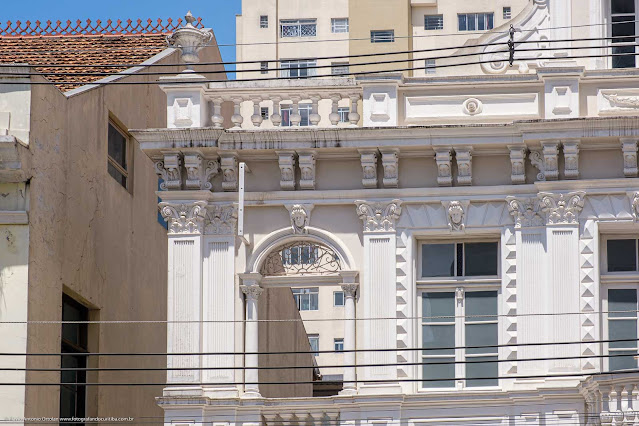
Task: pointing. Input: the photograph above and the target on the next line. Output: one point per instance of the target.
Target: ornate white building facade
(483, 228)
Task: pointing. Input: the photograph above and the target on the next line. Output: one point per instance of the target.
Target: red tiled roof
(84, 43)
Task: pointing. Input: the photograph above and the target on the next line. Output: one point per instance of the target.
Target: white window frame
(609, 15)
(507, 12)
(604, 255)
(340, 25)
(343, 299)
(460, 335)
(288, 65)
(439, 22)
(315, 337)
(430, 66)
(296, 28)
(343, 112)
(605, 318)
(458, 278)
(338, 341)
(477, 16)
(306, 292)
(378, 37)
(304, 109)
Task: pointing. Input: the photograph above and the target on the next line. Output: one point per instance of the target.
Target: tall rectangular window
(307, 299)
(456, 328)
(475, 21)
(622, 327)
(339, 25)
(383, 36)
(338, 298)
(74, 343)
(621, 255)
(343, 114)
(298, 28)
(623, 15)
(117, 154)
(264, 21)
(313, 340)
(298, 68)
(433, 22)
(430, 66)
(263, 67)
(507, 12)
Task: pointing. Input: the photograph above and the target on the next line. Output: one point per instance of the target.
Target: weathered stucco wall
(283, 336)
(97, 241)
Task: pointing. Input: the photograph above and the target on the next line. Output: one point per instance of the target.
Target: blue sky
(216, 14)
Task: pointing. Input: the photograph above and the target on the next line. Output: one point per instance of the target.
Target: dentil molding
(379, 217)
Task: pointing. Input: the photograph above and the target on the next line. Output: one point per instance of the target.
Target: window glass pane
(438, 336)
(433, 22)
(481, 21)
(481, 335)
(339, 344)
(480, 259)
(115, 174)
(439, 371)
(314, 342)
(117, 146)
(438, 307)
(480, 304)
(489, 21)
(472, 21)
(617, 362)
(622, 303)
(487, 368)
(438, 260)
(314, 303)
(462, 22)
(343, 114)
(622, 330)
(338, 298)
(622, 255)
(622, 6)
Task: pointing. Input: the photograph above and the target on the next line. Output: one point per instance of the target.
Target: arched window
(301, 258)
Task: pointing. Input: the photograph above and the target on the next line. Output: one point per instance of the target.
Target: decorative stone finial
(190, 40)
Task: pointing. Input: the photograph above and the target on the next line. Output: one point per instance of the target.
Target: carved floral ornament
(186, 171)
(546, 208)
(199, 218)
(525, 211)
(379, 217)
(301, 258)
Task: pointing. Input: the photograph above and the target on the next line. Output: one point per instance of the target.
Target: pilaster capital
(252, 292)
(184, 218)
(379, 217)
(221, 219)
(562, 208)
(350, 290)
(525, 211)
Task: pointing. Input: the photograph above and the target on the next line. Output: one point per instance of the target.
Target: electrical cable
(502, 345)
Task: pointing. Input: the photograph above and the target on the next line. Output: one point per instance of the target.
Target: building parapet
(611, 399)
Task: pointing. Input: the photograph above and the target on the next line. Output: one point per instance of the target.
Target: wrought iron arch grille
(301, 258)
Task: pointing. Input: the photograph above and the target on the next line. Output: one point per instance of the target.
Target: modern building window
(430, 66)
(263, 67)
(339, 68)
(305, 112)
(507, 12)
(264, 21)
(313, 339)
(459, 319)
(623, 14)
(475, 21)
(264, 113)
(621, 255)
(298, 68)
(339, 25)
(118, 144)
(343, 114)
(74, 344)
(433, 22)
(622, 325)
(338, 298)
(307, 299)
(466, 259)
(298, 28)
(383, 36)
(338, 344)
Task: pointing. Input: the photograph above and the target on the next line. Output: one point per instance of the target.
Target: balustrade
(612, 401)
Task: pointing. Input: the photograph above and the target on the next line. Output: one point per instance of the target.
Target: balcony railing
(612, 399)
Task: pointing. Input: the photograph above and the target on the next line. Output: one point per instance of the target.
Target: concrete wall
(284, 336)
(98, 242)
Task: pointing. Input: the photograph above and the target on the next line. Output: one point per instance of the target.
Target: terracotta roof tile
(83, 43)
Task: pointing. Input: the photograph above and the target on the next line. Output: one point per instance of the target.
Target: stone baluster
(334, 117)
(314, 118)
(353, 116)
(217, 118)
(252, 290)
(350, 289)
(276, 117)
(295, 118)
(633, 398)
(237, 118)
(256, 118)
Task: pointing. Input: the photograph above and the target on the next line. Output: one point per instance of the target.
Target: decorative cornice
(184, 218)
(300, 217)
(221, 219)
(379, 217)
(525, 211)
(562, 208)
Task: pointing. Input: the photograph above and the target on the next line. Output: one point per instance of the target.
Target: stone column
(350, 289)
(380, 295)
(251, 288)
